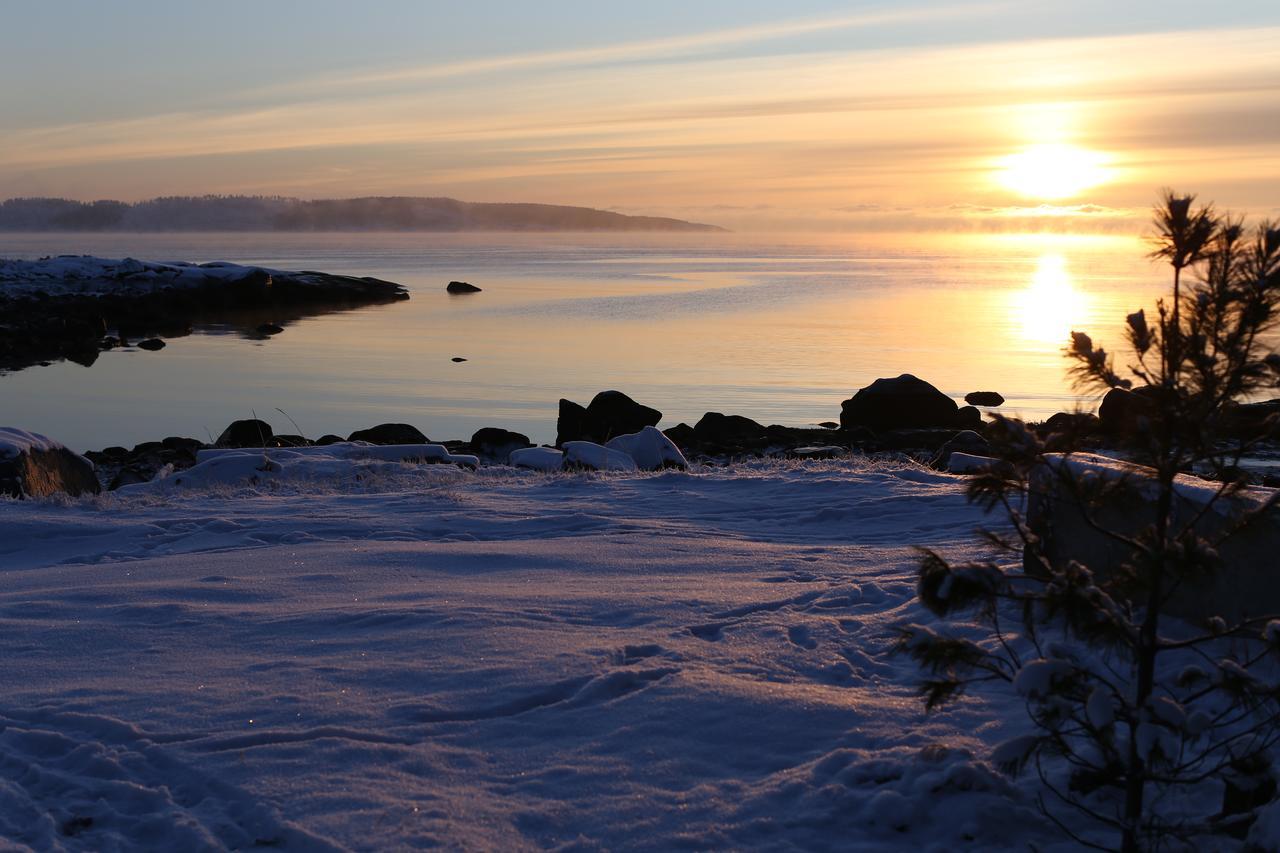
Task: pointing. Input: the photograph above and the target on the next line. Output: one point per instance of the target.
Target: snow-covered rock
(967, 463)
(650, 449)
(87, 275)
(1246, 583)
(241, 467)
(537, 459)
(35, 466)
(14, 441)
(596, 457)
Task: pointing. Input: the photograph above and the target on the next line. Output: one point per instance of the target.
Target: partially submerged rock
(904, 402)
(33, 466)
(984, 398)
(457, 287)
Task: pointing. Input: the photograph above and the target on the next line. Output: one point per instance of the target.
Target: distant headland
(274, 213)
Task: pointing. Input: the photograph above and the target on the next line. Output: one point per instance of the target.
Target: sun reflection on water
(1050, 307)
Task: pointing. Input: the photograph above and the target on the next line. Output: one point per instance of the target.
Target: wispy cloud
(792, 128)
(672, 47)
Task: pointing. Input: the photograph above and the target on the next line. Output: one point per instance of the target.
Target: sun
(1052, 172)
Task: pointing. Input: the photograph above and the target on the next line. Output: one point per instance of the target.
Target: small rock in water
(984, 398)
(457, 359)
(269, 329)
(151, 344)
(462, 287)
(829, 425)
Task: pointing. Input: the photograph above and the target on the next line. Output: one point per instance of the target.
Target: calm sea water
(780, 329)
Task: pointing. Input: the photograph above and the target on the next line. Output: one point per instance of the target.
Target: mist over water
(780, 329)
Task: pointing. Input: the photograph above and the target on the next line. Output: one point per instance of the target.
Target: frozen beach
(403, 656)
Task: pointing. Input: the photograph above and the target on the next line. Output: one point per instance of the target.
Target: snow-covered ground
(412, 655)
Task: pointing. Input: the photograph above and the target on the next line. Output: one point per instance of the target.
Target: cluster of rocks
(899, 414)
(614, 431)
(39, 327)
(121, 466)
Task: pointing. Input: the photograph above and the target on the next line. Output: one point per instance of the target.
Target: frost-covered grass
(499, 659)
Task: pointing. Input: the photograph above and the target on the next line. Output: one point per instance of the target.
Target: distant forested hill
(267, 213)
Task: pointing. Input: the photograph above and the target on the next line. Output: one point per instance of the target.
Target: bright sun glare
(1051, 306)
(1052, 172)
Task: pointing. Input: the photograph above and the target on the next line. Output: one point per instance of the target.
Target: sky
(805, 115)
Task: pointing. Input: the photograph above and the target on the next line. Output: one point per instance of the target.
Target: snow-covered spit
(87, 275)
(383, 654)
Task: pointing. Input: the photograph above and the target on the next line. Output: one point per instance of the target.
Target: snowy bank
(87, 275)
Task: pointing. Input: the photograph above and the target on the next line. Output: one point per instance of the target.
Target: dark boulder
(609, 414)
(984, 398)
(1124, 412)
(829, 425)
(390, 434)
(495, 443)
(620, 414)
(457, 359)
(1070, 424)
(1250, 420)
(178, 443)
(462, 287)
(681, 435)
(151, 344)
(904, 402)
(573, 423)
(329, 438)
(968, 417)
(720, 430)
(37, 472)
(913, 440)
(269, 329)
(250, 432)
